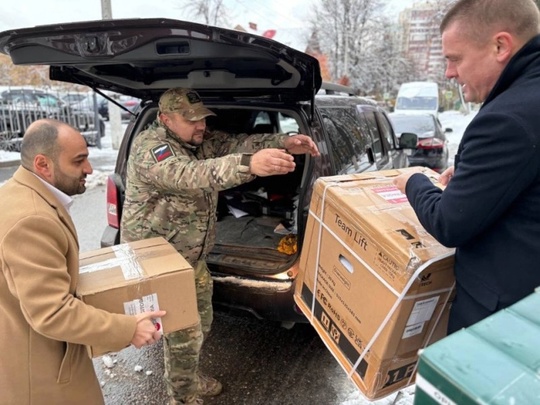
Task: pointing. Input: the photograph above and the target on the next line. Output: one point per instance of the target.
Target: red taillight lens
(112, 204)
(430, 143)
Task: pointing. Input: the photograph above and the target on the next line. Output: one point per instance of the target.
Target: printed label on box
(144, 304)
(413, 330)
(391, 194)
(422, 311)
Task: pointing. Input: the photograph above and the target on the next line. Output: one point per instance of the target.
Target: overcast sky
(272, 14)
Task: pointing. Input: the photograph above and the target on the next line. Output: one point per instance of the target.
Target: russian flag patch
(162, 152)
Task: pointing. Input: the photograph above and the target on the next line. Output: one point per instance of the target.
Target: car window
(417, 124)
(338, 146)
(386, 130)
(17, 98)
(262, 124)
(47, 100)
(347, 141)
(287, 124)
(373, 129)
(271, 121)
(263, 118)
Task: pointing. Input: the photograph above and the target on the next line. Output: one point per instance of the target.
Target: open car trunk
(258, 222)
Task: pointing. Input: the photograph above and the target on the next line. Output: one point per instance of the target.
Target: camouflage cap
(184, 101)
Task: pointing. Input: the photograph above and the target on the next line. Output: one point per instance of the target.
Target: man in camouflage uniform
(175, 170)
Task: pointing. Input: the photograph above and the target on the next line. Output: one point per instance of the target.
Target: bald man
(44, 327)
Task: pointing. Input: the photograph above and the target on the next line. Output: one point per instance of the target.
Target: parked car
(254, 85)
(126, 104)
(74, 97)
(130, 105)
(432, 148)
(20, 106)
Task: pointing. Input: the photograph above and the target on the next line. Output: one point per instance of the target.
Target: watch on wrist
(246, 160)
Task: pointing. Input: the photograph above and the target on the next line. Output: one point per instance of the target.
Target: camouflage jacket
(172, 187)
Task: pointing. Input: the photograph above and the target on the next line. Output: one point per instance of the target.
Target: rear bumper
(110, 237)
(264, 299)
(270, 300)
(435, 162)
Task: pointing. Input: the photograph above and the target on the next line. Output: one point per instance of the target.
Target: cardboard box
(140, 276)
(374, 284)
(492, 362)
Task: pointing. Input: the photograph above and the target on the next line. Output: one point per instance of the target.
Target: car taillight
(430, 143)
(112, 204)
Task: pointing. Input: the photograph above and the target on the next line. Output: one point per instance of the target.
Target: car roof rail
(336, 89)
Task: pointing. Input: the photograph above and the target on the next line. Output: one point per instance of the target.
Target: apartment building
(421, 39)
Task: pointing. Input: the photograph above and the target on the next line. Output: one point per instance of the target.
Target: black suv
(254, 85)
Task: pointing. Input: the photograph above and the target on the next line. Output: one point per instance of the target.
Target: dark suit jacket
(490, 210)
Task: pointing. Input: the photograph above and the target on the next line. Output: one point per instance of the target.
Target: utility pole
(114, 110)
(106, 11)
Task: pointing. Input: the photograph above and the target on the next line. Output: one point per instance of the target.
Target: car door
(382, 137)
(347, 140)
(398, 158)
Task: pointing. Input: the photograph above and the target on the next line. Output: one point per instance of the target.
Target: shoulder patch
(162, 152)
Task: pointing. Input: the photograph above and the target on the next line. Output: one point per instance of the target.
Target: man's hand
(146, 332)
(446, 176)
(300, 144)
(401, 181)
(269, 162)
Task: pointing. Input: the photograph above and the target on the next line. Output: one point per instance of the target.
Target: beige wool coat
(44, 328)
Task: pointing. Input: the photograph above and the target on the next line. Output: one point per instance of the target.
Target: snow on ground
(8, 156)
(457, 122)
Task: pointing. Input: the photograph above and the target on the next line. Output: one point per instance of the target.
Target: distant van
(418, 97)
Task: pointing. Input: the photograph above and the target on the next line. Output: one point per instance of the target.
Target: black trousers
(465, 311)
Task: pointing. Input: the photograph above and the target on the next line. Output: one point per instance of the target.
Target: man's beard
(67, 184)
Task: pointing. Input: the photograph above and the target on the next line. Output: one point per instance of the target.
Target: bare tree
(17, 75)
(210, 12)
(361, 45)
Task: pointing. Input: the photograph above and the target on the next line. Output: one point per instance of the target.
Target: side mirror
(408, 140)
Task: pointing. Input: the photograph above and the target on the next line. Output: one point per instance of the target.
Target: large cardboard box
(492, 362)
(374, 284)
(140, 276)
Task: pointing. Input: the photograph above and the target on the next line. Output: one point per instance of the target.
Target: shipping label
(144, 304)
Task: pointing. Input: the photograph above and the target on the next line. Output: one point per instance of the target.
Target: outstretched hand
(300, 144)
(271, 161)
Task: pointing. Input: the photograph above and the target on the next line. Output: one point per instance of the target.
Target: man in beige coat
(44, 328)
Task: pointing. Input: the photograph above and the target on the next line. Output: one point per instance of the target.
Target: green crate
(496, 361)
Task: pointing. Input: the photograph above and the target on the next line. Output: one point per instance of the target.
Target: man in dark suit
(490, 209)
